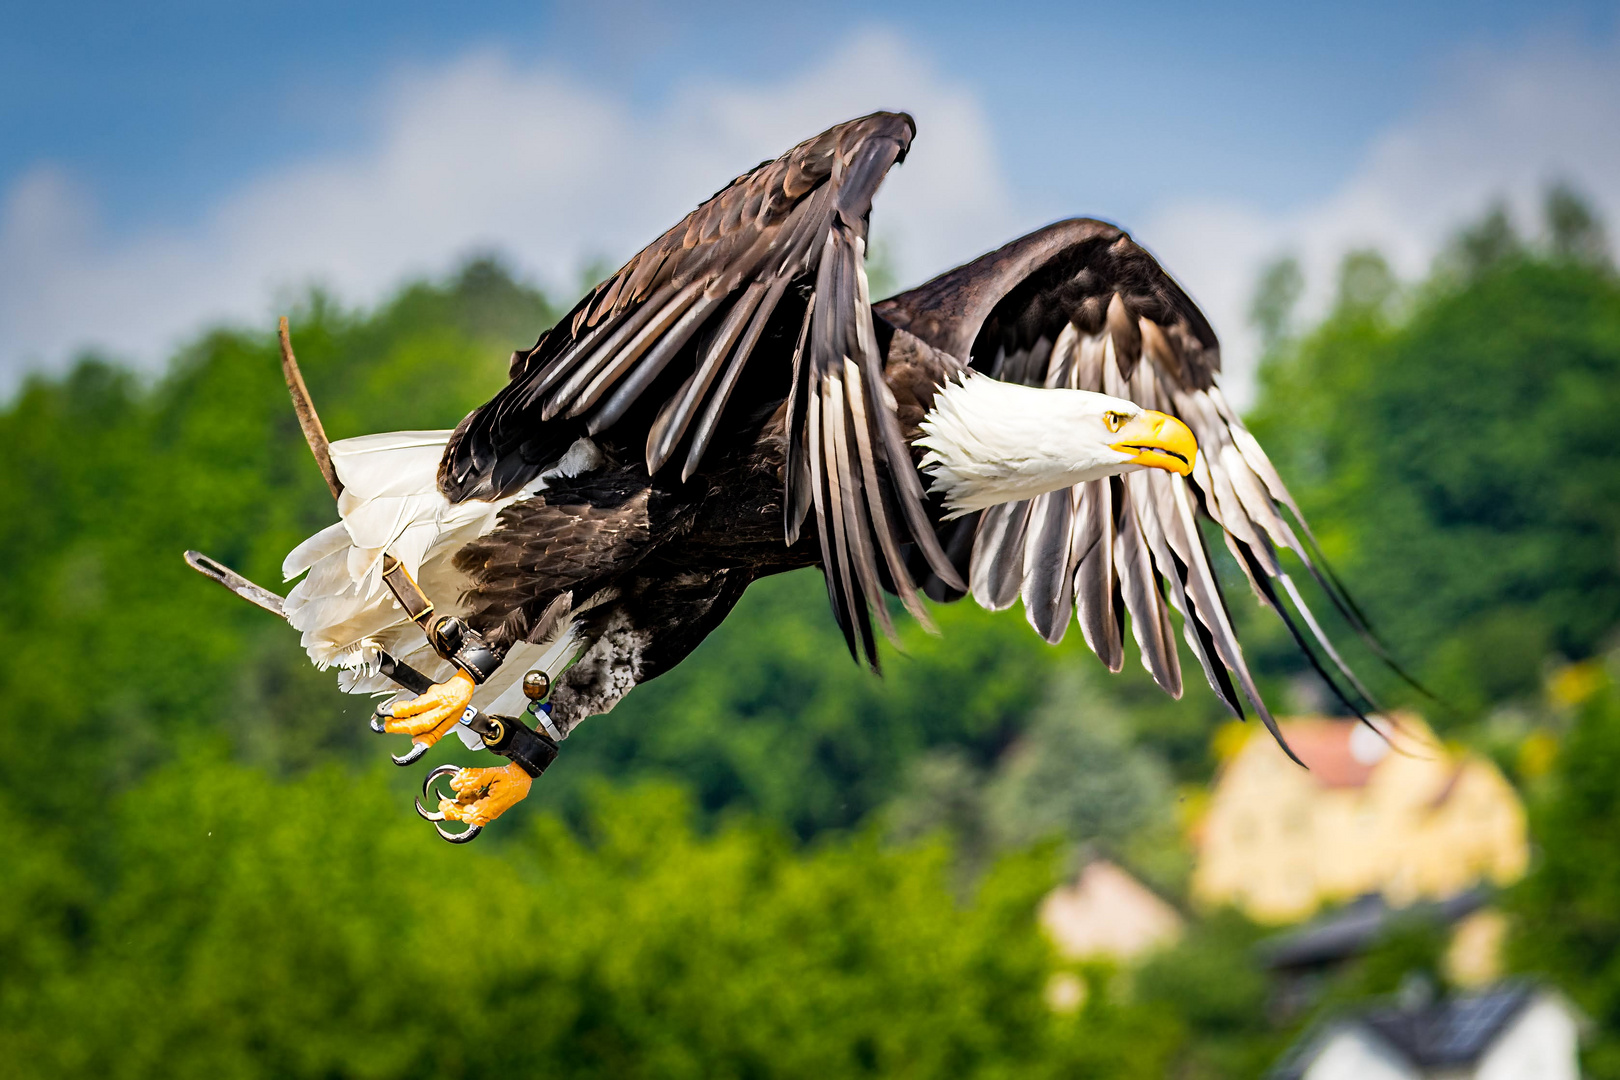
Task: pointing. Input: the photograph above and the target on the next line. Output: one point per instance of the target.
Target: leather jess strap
(405, 589)
(450, 637)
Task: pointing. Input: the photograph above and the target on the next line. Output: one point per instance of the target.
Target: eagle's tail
(390, 502)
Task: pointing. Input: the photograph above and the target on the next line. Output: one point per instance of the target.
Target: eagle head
(990, 442)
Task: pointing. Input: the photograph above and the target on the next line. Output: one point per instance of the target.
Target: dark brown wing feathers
(765, 226)
(687, 315)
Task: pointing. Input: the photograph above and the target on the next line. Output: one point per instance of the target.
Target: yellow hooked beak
(1158, 441)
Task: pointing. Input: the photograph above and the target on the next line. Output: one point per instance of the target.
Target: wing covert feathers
(666, 340)
(695, 303)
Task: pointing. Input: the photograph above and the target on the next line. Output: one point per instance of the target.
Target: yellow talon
(428, 717)
(482, 795)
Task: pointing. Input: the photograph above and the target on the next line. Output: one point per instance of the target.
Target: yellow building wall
(1278, 844)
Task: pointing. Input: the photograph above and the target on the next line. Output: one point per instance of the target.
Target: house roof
(1107, 912)
(1455, 1031)
(1449, 1033)
(1339, 753)
(1356, 926)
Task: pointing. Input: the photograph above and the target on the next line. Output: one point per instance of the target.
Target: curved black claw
(409, 757)
(432, 793)
(466, 837)
(413, 755)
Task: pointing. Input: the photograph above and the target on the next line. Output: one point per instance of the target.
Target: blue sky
(153, 161)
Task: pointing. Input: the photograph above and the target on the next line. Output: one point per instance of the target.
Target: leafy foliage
(1076, 774)
(248, 931)
(1460, 466)
(109, 481)
(1569, 907)
(769, 714)
(1211, 982)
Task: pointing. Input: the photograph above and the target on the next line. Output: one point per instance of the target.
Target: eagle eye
(1115, 420)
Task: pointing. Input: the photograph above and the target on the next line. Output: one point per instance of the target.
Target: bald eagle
(1043, 424)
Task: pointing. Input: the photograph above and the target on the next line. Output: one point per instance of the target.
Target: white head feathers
(991, 442)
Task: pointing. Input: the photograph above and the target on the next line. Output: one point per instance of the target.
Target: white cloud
(1503, 126)
(484, 153)
(491, 153)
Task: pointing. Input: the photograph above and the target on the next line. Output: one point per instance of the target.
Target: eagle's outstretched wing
(1080, 305)
(657, 349)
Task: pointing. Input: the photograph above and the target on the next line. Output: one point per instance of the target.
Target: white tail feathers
(391, 502)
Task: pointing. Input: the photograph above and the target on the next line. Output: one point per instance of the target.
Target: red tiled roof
(1325, 747)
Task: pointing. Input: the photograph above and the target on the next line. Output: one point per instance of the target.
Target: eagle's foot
(428, 717)
(481, 796)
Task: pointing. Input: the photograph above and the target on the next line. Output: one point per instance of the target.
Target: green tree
(197, 880)
(1366, 283)
(1279, 289)
(1484, 245)
(1460, 466)
(109, 481)
(1076, 775)
(1568, 910)
(247, 930)
(1574, 230)
(1213, 984)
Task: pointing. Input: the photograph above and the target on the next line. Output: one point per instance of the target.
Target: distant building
(1107, 914)
(1513, 1031)
(1400, 816)
(1304, 962)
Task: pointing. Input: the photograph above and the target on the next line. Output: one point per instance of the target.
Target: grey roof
(1353, 928)
(1454, 1031)
(1447, 1033)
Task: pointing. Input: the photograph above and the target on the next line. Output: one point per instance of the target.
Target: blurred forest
(767, 862)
